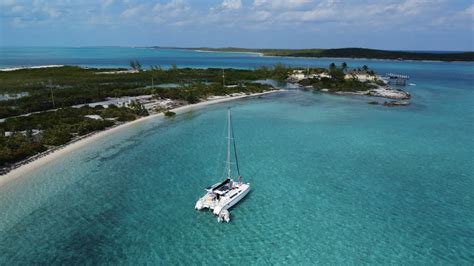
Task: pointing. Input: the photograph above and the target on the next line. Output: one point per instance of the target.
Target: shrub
(56, 136)
(170, 114)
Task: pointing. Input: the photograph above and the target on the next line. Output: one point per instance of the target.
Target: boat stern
(199, 205)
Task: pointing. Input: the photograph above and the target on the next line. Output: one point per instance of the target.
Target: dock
(397, 79)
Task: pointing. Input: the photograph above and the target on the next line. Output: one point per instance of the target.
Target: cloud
(378, 15)
(172, 8)
(232, 4)
(106, 3)
(469, 11)
(306, 15)
(282, 4)
(41, 8)
(463, 19)
(173, 13)
(26, 13)
(7, 3)
(133, 11)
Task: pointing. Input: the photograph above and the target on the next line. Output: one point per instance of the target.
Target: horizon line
(216, 47)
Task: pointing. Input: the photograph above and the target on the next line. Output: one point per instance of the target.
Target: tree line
(50, 88)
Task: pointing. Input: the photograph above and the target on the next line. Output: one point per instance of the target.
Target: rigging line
(221, 150)
(235, 149)
(228, 143)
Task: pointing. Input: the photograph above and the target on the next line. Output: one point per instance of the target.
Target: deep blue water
(334, 181)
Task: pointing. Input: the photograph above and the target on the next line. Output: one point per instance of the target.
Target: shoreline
(371, 59)
(211, 51)
(340, 58)
(15, 68)
(263, 54)
(55, 153)
(7, 69)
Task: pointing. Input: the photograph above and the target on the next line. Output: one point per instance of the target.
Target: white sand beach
(28, 67)
(44, 160)
(232, 52)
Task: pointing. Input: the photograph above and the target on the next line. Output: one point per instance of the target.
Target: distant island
(351, 53)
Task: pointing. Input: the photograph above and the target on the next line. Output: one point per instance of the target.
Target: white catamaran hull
(227, 204)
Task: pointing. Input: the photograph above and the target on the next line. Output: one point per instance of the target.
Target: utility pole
(52, 95)
(223, 78)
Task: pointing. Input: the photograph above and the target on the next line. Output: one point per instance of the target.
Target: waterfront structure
(297, 75)
(360, 75)
(396, 79)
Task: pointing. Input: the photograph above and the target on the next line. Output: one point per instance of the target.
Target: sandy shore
(232, 52)
(28, 67)
(30, 167)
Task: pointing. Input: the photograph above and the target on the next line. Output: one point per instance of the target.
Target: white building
(297, 75)
(34, 132)
(360, 75)
(320, 75)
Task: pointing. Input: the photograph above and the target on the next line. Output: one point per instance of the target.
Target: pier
(397, 79)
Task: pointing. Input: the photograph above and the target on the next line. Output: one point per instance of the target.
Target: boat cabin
(221, 188)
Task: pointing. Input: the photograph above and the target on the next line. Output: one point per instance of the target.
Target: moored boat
(223, 195)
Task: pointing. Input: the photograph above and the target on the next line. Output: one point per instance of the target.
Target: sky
(383, 24)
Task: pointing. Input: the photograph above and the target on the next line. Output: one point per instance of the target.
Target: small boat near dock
(223, 195)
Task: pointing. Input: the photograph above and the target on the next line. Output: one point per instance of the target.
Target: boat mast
(229, 127)
(235, 150)
(230, 143)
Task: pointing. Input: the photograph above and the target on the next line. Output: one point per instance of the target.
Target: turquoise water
(334, 180)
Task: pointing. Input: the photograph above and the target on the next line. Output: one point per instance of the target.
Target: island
(352, 53)
(45, 109)
(356, 81)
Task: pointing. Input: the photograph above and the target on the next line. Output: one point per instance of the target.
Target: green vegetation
(138, 108)
(170, 114)
(354, 53)
(135, 65)
(194, 93)
(55, 127)
(51, 94)
(338, 82)
(74, 85)
(18, 147)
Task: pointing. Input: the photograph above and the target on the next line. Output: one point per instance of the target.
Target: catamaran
(223, 195)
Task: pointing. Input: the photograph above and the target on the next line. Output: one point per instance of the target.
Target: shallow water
(334, 180)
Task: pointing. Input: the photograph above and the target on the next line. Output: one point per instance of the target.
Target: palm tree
(135, 65)
(344, 66)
